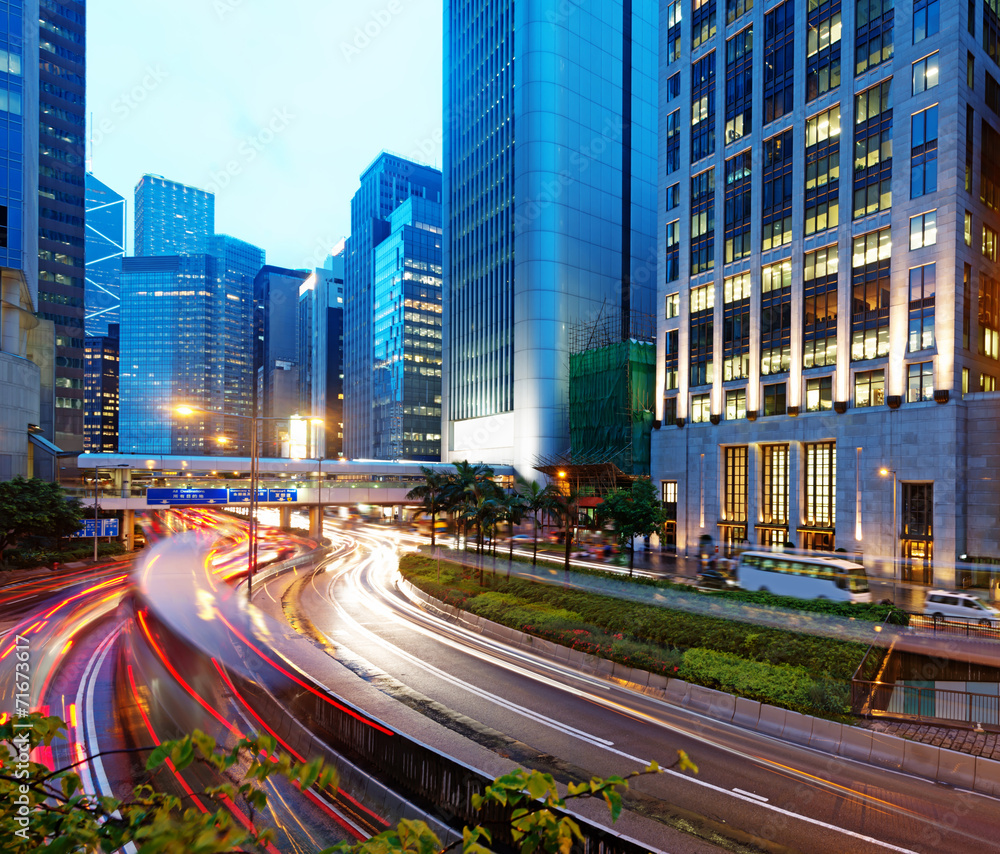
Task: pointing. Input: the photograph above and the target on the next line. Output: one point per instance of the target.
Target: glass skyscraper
(100, 392)
(385, 185)
(550, 208)
(186, 337)
(24, 355)
(172, 218)
(105, 250)
(406, 396)
(61, 202)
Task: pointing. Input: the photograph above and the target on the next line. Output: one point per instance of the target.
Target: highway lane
(576, 726)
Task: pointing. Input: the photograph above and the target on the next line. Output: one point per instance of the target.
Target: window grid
(701, 409)
(920, 381)
(737, 206)
(779, 60)
(774, 485)
(923, 229)
(923, 152)
(736, 328)
(776, 212)
(673, 141)
(870, 291)
(989, 316)
(873, 150)
(926, 19)
(735, 504)
(673, 252)
(922, 288)
(869, 388)
(822, 47)
(703, 107)
(918, 511)
(703, 222)
(821, 484)
(702, 22)
(672, 360)
(674, 32)
(873, 34)
(819, 330)
(991, 29)
(989, 176)
(739, 85)
(736, 404)
(702, 335)
(822, 170)
(774, 399)
(776, 323)
(925, 73)
(819, 394)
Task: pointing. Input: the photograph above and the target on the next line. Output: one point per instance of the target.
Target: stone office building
(829, 327)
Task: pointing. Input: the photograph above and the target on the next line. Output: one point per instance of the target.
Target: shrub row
(25, 558)
(873, 612)
(648, 623)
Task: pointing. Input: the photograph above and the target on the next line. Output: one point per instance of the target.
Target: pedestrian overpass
(136, 483)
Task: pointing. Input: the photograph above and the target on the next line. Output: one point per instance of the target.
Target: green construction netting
(611, 392)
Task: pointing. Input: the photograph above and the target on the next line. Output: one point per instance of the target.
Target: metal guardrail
(956, 626)
(933, 705)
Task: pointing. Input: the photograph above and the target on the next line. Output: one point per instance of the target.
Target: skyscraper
(100, 392)
(105, 249)
(828, 319)
(24, 354)
(172, 218)
(385, 185)
(186, 338)
(239, 264)
(62, 209)
(550, 208)
(276, 358)
(407, 325)
(321, 355)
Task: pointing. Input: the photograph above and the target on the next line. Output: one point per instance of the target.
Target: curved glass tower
(550, 223)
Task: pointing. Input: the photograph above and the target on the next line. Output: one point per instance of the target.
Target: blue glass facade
(172, 218)
(550, 189)
(385, 185)
(407, 330)
(25, 356)
(186, 337)
(105, 250)
(62, 40)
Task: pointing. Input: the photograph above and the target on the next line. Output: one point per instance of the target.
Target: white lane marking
(751, 799)
(751, 795)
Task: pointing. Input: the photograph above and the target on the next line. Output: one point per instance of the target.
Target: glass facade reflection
(407, 328)
(385, 185)
(104, 251)
(550, 207)
(172, 218)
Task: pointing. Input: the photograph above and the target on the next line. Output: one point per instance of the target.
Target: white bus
(803, 577)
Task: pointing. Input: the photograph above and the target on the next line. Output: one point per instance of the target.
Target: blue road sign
(242, 495)
(282, 495)
(190, 497)
(106, 528)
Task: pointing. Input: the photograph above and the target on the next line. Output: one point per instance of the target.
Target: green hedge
(645, 623)
(784, 685)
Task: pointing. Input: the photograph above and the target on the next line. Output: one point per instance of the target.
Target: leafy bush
(27, 558)
(781, 685)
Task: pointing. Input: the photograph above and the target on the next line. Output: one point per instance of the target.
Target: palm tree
(470, 481)
(431, 494)
(567, 501)
(513, 506)
(537, 499)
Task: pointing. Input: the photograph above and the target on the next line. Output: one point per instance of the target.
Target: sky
(277, 107)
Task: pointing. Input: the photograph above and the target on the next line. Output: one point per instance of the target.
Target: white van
(950, 605)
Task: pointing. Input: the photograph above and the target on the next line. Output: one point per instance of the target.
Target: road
(752, 790)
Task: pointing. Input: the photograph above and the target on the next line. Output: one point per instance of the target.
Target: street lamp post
(96, 512)
(254, 475)
(885, 472)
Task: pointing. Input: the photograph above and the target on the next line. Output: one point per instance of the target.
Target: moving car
(951, 605)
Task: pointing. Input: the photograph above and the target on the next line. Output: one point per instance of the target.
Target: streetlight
(185, 410)
(885, 472)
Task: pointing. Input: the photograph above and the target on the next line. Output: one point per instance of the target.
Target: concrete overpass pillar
(127, 532)
(285, 514)
(315, 522)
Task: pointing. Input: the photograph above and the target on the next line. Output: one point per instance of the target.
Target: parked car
(950, 605)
